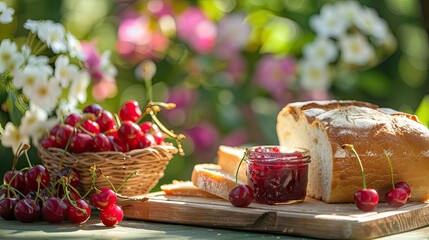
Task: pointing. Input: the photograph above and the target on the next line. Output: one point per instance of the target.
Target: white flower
(355, 49)
(79, 86)
(74, 47)
(6, 14)
(45, 93)
(32, 25)
(349, 11)
(40, 129)
(65, 108)
(32, 119)
(146, 70)
(10, 58)
(106, 66)
(321, 49)
(12, 137)
(27, 78)
(370, 23)
(53, 34)
(314, 75)
(65, 72)
(329, 23)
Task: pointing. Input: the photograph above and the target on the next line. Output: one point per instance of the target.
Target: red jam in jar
(277, 174)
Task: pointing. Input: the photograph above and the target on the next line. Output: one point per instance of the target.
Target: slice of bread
(229, 158)
(210, 178)
(185, 188)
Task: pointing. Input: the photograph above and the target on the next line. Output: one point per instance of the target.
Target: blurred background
(230, 65)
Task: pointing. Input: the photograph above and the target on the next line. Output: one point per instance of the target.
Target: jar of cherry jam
(277, 174)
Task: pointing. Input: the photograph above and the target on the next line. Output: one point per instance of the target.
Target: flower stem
(351, 148)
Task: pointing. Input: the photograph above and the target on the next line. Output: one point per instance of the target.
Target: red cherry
(7, 206)
(130, 111)
(241, 196)
(81, 214)
(106, 121)
(62, 135)
(73, 119)
(91, 126)
(116, 144)
(101, 143)
(366, 199)
(149, 127)
(16, 179)
(54, 130)
(32, 174)
(404, 186)
(129, 133)
(396, 197)
(103, 199)
(54, 210)
(94, 109)
(27, 210)
(146, 140)
(48, 142)
(81, 142)
(111, 215)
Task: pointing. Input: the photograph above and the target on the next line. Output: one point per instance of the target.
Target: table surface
(135, 229)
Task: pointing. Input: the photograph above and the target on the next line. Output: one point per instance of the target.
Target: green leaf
(422, 111)
(14, 112)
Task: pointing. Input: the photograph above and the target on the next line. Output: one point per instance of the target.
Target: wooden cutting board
(311, 218)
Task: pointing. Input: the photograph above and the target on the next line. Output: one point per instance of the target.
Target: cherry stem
(351, 148)
(391, 168)
(238, 167)
(60, 166)
(135, 173)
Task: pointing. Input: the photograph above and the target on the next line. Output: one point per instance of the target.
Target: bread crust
(371, 130)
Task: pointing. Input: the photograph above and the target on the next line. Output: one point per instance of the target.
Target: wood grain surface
(310, 218)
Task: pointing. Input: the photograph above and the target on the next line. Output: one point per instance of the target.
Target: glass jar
(277, 174)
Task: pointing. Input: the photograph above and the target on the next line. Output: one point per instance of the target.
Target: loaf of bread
(228, 158)
(210, 178)
(334, 173)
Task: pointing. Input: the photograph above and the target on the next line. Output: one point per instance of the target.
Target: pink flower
(194, 28)
(102, 72)
(105, 88)
(234, 33)
(236, 67)
(274, 74)
(236, 138)
(137, 41)
(205, 138)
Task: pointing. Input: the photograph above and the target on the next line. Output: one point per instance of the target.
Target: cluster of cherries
(97, 130)
(33, 194)
(366, 199)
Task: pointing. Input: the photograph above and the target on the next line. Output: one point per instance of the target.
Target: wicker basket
(150, 162)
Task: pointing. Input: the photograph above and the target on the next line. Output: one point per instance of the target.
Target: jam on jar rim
(277, 153)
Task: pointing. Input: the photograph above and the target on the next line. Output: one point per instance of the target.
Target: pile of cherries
(97, 130)
(32, 195)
